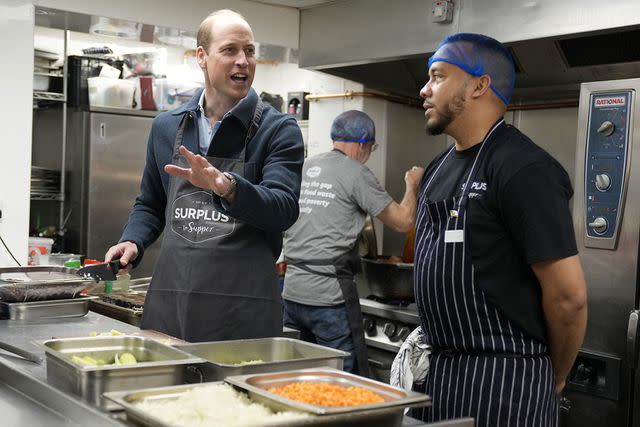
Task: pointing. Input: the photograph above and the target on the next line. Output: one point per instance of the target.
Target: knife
(101, 272)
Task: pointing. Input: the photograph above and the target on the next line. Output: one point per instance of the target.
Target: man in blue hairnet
(338, 191)
(498, 282)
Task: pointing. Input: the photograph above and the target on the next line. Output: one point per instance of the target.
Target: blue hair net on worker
(353, 126)
(479, 55)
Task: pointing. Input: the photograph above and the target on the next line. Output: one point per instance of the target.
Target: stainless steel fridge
(105, 157)
(604, 386)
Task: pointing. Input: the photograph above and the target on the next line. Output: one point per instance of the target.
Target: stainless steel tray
(22, 284)
(123, 314)
(224, 358)
(50, 309)
(387, 417)
(256, 386)
(160, 365)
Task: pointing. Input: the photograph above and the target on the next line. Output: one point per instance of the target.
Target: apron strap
(253, 127)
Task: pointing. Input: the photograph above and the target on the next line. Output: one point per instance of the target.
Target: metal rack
(61, 98)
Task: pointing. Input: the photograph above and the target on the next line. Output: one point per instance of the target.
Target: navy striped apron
(483, 366)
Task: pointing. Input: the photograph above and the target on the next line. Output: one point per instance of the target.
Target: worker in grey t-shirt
(338, 191)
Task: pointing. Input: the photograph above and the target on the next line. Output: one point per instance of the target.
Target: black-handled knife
(101, 272)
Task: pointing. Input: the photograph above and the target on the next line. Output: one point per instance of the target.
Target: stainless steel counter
(27, 399)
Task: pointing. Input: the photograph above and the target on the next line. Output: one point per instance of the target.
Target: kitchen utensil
(388, 280)
(27, 355)
(39, 283)
(104, 271)
(158, 365)
(367, 243)
(225, 358)
(49, 309)
(257, 387)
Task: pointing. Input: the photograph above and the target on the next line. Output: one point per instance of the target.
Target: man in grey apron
(222, 211)
(498, 285)
(338, 191)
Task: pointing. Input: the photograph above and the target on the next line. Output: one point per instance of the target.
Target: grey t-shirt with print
(336, 194)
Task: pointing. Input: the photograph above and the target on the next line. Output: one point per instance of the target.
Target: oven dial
(369, 325)
(389, 330)
(599, 225)
(603, 181)
(607, 128)
(403, 333)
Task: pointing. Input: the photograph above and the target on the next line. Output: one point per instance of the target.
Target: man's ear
(201, 57)
(482, 85)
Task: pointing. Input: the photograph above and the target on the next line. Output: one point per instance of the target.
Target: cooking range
(387, 323)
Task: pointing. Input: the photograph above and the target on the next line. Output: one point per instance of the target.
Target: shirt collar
(201, 107)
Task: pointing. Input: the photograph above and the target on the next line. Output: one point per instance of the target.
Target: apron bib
(482, 365)
(215, 278)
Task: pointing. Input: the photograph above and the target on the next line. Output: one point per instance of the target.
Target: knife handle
(115, 265)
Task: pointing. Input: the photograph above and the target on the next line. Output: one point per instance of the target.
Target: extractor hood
(547, 69)
(556, 45)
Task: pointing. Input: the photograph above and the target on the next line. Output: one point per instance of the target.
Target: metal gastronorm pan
(257, 385)
(49, 309)
(39, 283)
(160, 365)
(277, 354)
(386, 417)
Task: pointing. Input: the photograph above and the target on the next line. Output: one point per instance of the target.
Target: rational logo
(610, 101)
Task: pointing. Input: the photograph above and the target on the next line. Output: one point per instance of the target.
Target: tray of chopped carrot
(325, 391)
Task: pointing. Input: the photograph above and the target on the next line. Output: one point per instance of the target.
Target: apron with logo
(215, 278)
(481, 364)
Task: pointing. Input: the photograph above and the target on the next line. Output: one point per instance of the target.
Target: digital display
(601, 209)
(605, 167)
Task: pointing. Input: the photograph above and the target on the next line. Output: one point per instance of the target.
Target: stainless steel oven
(603, 388)
(386, 326)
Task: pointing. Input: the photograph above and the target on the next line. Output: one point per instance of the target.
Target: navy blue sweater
(266, 198)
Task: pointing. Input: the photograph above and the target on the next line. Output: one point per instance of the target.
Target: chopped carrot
(323, 394)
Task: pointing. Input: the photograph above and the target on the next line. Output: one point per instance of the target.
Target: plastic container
(39, 246)
(62, 259)
(113, 93)
(161, 94)
(80, 69)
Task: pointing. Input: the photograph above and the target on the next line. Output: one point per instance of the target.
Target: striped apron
(482, 366)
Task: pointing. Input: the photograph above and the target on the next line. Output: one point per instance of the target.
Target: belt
(451, 352)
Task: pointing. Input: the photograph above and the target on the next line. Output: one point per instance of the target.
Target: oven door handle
(380, 365)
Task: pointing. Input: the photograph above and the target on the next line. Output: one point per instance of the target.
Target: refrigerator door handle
(632, 339)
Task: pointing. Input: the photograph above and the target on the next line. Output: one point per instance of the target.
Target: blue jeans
(328, 326)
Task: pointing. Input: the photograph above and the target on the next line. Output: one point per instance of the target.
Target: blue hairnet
(353, 126)
(478, 55)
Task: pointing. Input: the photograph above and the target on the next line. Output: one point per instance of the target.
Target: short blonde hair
(205, 36)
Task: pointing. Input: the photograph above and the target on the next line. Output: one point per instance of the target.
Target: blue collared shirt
(207, 130)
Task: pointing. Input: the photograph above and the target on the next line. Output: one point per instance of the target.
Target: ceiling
(298, 4)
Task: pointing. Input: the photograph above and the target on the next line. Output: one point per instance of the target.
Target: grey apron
(215, 278)
(345, 267)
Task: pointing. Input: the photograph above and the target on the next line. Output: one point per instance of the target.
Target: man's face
(229, 65)
(444, 96)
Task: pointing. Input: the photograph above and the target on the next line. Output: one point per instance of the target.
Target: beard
(438, 124)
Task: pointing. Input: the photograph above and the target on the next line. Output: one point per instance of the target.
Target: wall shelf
(49, 96)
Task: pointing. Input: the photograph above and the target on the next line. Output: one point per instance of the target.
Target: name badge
(454, 236)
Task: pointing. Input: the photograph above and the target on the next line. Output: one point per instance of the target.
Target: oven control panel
(386, 326)
(606, 158)
(384, 333)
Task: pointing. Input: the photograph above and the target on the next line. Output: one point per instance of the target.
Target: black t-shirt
(517, 214)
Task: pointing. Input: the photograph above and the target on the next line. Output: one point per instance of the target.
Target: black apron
(345, 268)
(482, 365)
(215, 278)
